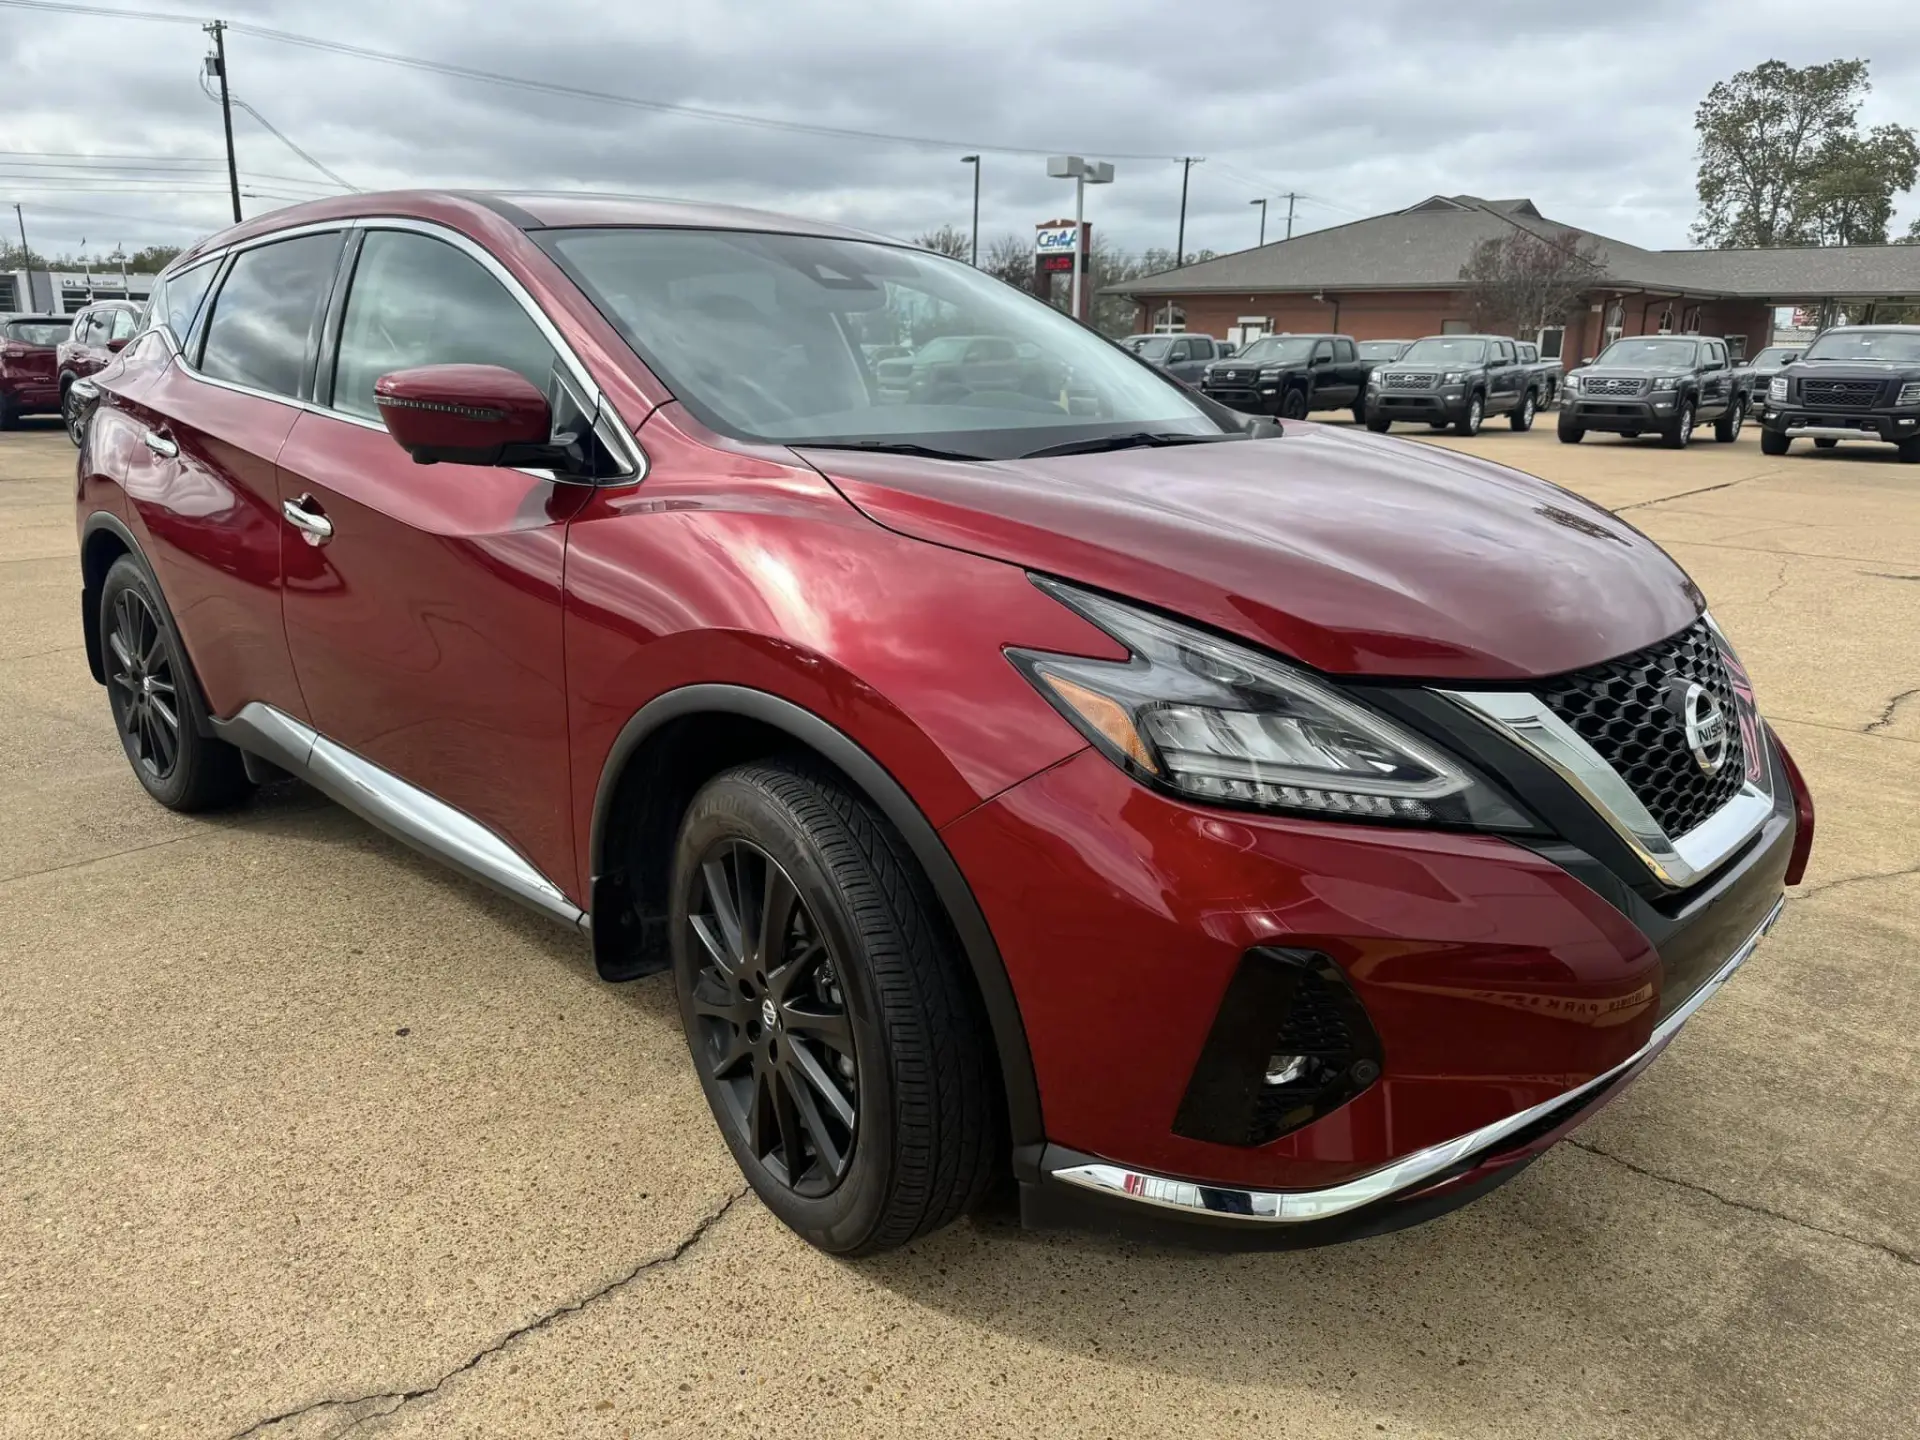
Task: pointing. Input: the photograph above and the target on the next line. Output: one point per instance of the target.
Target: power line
(279, 135)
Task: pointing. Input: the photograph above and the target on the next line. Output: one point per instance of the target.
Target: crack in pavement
(1894, 1252)
(1808, 891)
(1682, 495)
(1886, 715)
(365, 1404)
(1780, 581)
(1888, 575)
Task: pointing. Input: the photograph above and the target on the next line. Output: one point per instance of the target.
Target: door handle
(314, 528)
(160, 445)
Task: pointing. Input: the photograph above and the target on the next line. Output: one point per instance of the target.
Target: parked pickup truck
(1856, 382)
(1291, 375)
(1550, 375)
(1663, 384)
(1455, 380)
(1183, 356)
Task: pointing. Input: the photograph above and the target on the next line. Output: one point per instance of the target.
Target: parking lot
(301, 1134)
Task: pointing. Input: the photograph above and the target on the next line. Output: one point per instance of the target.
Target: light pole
(1262, 203)
(974, 161)
(1083, 173)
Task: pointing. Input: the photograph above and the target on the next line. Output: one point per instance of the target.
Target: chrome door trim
(1410, 1172)
(403, 810)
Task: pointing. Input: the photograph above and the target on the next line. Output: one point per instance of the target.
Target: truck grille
(1627, 710)
(1612, 385)
(1840, 394)
(1405, 381)
(1234, 377)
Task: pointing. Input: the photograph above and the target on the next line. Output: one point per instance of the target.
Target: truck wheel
(1469, 421)
(1522, 417)
(1359, 412)
(1772, 442)
(1378, 424)
(1824, 442)
(1570, 433)
(1677, 437)
(7, 417)
(1910, 452)
(1293, 405)
(1727, 427)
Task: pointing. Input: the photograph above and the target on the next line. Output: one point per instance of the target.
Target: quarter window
(419, 301)
(177, 299)
(123, 325)
(267, 315)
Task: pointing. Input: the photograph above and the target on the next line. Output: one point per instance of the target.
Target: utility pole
(1291, 197)
(26, 264)
(974, 161)
(1187, 162)
(217, 63)
(1262, 203)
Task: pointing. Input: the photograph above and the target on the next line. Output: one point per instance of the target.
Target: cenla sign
(1053, 240)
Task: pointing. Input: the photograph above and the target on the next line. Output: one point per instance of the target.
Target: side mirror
(116, 346)
(466, 415)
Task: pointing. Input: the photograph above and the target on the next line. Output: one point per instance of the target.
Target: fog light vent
(1290, 1043)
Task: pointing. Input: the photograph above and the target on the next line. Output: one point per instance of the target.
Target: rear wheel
(1522, 417)
(1727, 427)
(836, 1034)
(155, 702)
(1910, 452)
(1825, 442)
(72, 415)
(1359, 412)
(1470, 418)
(1772, 442)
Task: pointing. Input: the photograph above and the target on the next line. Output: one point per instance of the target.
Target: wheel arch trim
(106, 520)
(877, 784)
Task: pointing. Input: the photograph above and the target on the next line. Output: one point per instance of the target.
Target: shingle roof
(1424, 246)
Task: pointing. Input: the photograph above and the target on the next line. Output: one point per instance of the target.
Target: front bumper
(1417, 405)
(1252, 399)
(1615, 416)
(1892, 427)
(1514, 987)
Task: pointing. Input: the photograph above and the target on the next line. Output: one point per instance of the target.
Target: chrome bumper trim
(1833, 432)
(403, 810)
(1292, 1207)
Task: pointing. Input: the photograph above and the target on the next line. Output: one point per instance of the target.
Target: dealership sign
(1053, 244)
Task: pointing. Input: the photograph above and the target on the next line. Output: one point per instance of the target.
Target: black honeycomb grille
(1840, 394)
(1629, 711)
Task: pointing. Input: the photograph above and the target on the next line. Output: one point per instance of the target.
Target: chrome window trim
(612, 430)
(1411, 1172)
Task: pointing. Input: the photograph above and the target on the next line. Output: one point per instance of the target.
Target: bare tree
(1519, 282)
(1010, 258)
(948, 240)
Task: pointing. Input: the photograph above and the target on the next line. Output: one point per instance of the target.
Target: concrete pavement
(300, 1134)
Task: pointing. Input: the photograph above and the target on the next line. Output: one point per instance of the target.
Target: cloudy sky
(1360, 108)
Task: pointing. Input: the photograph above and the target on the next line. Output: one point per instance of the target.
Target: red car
(100, 332)
(29, 382)
(1293, 833)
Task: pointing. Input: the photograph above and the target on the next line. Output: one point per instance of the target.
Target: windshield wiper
(885, 447)
(1131, 441)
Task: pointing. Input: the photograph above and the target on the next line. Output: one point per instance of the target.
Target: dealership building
(1397, 276)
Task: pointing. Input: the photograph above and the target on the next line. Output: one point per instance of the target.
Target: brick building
(1397, 276)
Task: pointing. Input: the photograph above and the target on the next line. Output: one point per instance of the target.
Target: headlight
(1374, 380)
(1271, 372)
(1664, 387)
(1777, 388)
(1217, 722)
(1570, 384)
(1909, 393)
(1453, 377)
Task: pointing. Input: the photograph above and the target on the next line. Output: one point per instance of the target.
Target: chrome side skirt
(403, 810)
(1410, 1172)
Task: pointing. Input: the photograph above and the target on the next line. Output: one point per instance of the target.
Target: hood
(1352, 554)
(1634, 372)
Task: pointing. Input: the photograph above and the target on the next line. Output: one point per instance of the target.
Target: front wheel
(1727, 427)
(1571, 434)
(1359, 412)
(1293, 405)
(1677, 436)
(836, 1034)
(1772, 442)
(1379, 424)
(1909, 452)
(1470, 418)
(1522, 417)
(1825, 442)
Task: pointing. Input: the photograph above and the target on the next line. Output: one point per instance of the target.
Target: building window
(1552, 340)
(1616, 318)
(1456, 327)
(1737, 347)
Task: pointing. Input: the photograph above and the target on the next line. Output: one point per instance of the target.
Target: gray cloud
(1588, 110)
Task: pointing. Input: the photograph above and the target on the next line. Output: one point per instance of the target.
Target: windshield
(1381, 349)
(36, 332)
(1775, 356)
(1151, 347)
(760, 336)
(1444, 350)
(1278, 350)
(1655, 351)
(1902, 346)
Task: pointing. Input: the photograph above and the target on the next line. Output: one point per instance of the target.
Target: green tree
(1783, 161)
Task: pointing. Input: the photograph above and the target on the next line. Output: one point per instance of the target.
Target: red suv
(28, 378)
(100, 332)
(1047, 770)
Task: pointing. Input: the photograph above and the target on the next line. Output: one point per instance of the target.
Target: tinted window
(1381, 349)
(35, 332)
(124, 324)
(268, 313)
(1343, 351)
(419, 301)
(1271, 351)
(1202, 349)
(176, 300)
(1649, 350)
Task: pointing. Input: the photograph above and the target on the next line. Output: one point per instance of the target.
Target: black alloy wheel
(141, 687)
(773, 1035)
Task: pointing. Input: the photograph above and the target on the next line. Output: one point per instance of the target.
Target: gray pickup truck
(1657, 384)
(1549, 375)
(1456, 380)
(1183, 356)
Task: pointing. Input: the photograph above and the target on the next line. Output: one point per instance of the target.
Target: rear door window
(266, 318)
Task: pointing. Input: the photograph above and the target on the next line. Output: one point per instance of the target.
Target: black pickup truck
(1455, 380)
(1856, 382)
(1656, 384)
(1290, 375)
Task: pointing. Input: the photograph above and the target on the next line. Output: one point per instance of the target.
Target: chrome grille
(1612, 385)
(1407, 381)
(1840, 394)
(1628, 711)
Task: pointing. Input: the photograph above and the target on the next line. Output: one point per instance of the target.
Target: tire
(1676, 438)
(1772, 442)
(155, 699)
(1571, 434)
(1439, 425)
(1727, 428)
(9, 417)
(71, 417)
(1379, 424)
(910, 1136)
(1522, 418)
(1825, 442)
(1909, 452)
(1359, 412)
(1470, 418)
(1293, 405)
